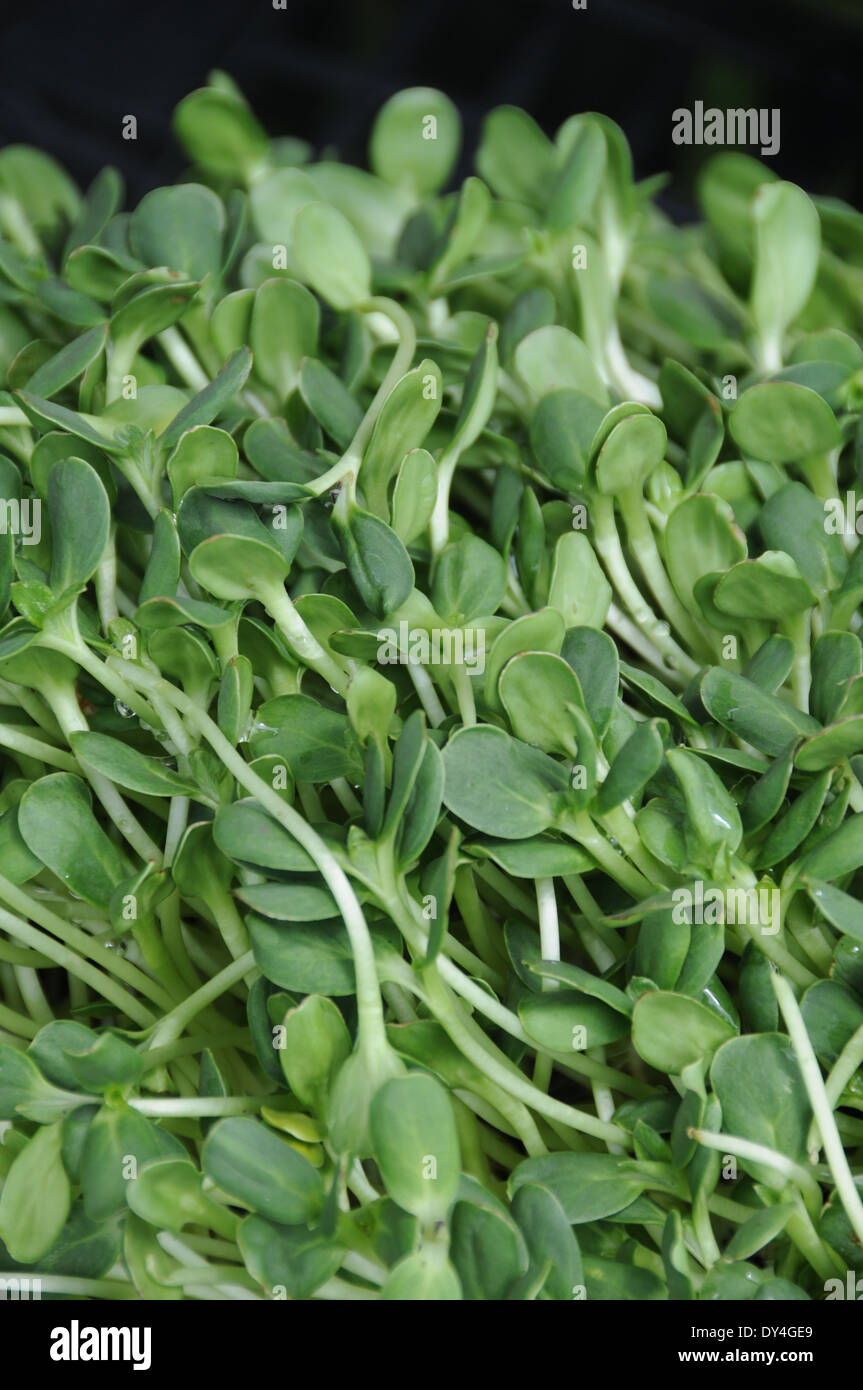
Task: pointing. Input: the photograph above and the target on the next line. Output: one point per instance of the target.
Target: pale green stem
(173, 1024)
(435, 712)
(33, 995)
(549, 929)
(473, 1044)
(464, 694)
(182, 358)
(821, 1107)
(750, 1152)
(105, 580)
(400, 365)
(14, 1022)
(345, 794)
(608, 545)
(302, 643)
(35, 748)
(581, 829)
(643, 546)
(195, 1107)
(81, 941)
(801, 675)
(71, 720)
(62, 956)
(372, 1032)
(845, 1067)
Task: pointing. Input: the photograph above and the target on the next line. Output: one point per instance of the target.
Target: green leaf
(712, 811)
(317, 743)
(115, 1136)
(836, 658)
(781, 422)
(787, 245)
(162, 574)
(328, 399)
(752, 714)
(793, 827)
(630, 453)
(579, 589)
(211, 401)
(593, 657)
(423, 807)
(127, 767)
(540, 857)
(469, 581)
(758, 1230)
(562, 429)
(377, 562)
(841, 910)
(840, 853)
(284, 329)
(317, 1042)
(501, 786)
(261, 1171)
(80, 523)
(330, 256)
(415, 140)
(638, 760)
(105, 1062)
(588, 1186)
(414, 495)
(36, 1197)
(831, 746)
(533, 632)
(181, 227)
(487, 1250)
(245, 832)
(564, 1019)
(771, 665)
(24, 1091)
(167, 1193)
(423, 1277)
(770, 588)
(308, 958)
(554, 359)
(69, 363)
(700, 538)
(765, 797)
(662, 947)
(793, 520)
(549, 1237)
(758, 1084)
(288, 1257)
(416, 1145)
(539, 692)
(832, 1014)
(671, 1031)
(289, 902)
(220, 133)
(58, 826)
(516, 159)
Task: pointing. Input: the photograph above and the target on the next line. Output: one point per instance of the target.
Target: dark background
(320, 69)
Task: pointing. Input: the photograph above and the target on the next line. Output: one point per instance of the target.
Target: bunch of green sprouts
(528, 969)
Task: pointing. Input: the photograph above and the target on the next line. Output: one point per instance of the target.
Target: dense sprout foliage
(431, 725)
